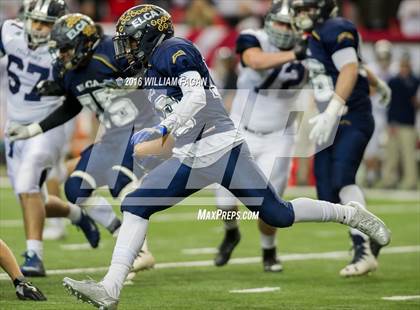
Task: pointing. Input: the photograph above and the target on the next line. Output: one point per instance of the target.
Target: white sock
(100, 210)
(353, 193)
(310, 210)
(130, 239)
(36, 246)
(268, 241)
(75, 213)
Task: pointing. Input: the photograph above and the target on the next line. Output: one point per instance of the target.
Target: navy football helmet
(307, 14)
(74, 38)
(139, 31)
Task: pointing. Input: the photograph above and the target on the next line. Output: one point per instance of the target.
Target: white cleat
(363, 261)
(91, 292)
(143, 261)
(363, 266)
(369, 224)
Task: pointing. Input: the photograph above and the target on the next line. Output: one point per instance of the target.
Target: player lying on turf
(85, 72)
(269, 71)
(208, 149)
(28, 162)
(25, 290)
(341, 90)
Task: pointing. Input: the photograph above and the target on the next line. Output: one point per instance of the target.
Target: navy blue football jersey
(170, 60)
(334, 35)
(88, 84)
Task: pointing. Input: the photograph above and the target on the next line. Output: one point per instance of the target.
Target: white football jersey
(260, 103)
(25, 68)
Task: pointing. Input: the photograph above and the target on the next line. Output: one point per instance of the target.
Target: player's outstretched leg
(353, 215)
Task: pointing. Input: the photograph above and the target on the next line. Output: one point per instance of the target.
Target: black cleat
(270, 261)
(231, 240)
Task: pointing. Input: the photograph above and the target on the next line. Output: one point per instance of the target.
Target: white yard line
(236, 261)
(78, 246)
(400, 298)
(256, 290)
(198, 251)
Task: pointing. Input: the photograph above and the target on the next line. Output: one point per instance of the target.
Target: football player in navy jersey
(270, 71)
(341, 90)
(86, 72)
(208, 149)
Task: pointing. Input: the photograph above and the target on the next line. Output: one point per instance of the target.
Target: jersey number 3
(14, 81)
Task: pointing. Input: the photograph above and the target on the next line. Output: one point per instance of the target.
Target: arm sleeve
(69, 109)
(344, 57)
(193, 100)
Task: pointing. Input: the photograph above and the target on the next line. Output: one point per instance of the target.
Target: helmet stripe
(45, 7)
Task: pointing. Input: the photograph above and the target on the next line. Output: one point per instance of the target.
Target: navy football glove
(149, 134)
(49, 88)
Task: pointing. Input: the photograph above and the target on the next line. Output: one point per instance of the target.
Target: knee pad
(79, 187)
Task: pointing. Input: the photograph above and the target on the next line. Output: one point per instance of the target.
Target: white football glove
(20, 132)
(324, 123)
(384, 92)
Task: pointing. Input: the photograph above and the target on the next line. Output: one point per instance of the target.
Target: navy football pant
(337, 165)
(172, 181)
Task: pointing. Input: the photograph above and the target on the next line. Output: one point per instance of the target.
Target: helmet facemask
(280, 33)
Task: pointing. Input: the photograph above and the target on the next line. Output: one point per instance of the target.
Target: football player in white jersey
(268, 67)
(28, 161)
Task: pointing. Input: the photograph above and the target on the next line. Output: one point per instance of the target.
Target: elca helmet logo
(144, 18)
(77, 29)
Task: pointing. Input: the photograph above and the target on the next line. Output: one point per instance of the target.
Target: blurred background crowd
(391, 33)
